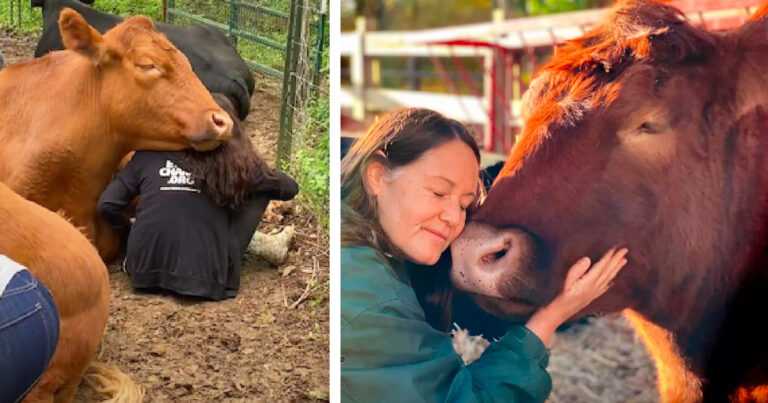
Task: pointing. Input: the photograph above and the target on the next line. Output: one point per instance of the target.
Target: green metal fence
(302, 81)
(15, 14)
(259, 31)
(18, 15)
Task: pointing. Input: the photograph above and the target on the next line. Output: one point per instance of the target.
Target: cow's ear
(80, 37)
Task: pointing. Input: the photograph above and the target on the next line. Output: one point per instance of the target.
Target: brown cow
(651, 133)
(62, 259)
(68, 118)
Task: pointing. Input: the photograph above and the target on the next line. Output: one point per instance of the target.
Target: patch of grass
(28, 21)
(151, 8)
(31, 18)
(261, 54)
(311, 159)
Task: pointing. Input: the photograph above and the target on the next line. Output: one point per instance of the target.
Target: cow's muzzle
(494, 262)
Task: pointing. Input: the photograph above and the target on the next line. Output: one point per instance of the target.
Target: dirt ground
(253, 348)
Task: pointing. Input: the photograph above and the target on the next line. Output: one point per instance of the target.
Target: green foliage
(151, 8)
(31, 18)
(18, 16)
(311, 159)
(538, 7)
(416, 14)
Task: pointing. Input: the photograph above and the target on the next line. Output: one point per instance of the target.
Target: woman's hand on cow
(583, 284)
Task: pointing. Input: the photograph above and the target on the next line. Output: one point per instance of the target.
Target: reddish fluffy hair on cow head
(761, 12)
(583, 73)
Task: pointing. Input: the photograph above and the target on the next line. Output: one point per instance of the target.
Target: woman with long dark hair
(196, 213)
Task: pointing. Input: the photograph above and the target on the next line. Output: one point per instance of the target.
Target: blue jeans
(29, 331)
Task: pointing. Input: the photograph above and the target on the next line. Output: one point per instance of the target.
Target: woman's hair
(227, 173)
(395, 140)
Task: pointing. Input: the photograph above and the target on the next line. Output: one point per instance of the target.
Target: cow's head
(146, 86)
(640, 133)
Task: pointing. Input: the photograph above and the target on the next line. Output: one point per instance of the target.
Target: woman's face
(422, 206)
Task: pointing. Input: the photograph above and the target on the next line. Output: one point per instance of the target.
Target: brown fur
(72, 115)
(651, 133)
(62, 259)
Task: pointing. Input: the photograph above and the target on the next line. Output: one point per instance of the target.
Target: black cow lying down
(212, 56)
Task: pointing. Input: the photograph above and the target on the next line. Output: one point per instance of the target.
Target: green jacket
(389, 353)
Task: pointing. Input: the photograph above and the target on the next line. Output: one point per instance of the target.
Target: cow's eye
(146, 66)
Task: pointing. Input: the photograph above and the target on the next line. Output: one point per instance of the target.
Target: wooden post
(494, 86)
(412, 67)
(513, 92)
(358, 73)
(488, 100)
(375, 67)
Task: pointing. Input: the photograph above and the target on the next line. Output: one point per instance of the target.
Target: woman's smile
(441, 236)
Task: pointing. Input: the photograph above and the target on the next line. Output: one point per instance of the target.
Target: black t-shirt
(180, 239)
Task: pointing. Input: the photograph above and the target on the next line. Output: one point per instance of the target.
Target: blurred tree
(420, 14)
(414, 14)
(538, 7)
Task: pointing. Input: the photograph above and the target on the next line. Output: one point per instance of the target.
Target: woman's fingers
(602, 273)
(584, 284)
(577, 271)
(617, 261)
(597, 269)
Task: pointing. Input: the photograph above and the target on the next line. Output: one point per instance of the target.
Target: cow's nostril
(219, 120)
(492, 257)
(221, 125)
(488, 259)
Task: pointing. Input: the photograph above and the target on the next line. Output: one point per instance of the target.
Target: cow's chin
(205, 145)
(512, 309)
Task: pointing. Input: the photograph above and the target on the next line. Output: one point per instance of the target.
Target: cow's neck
(717, 327)
(67, 150)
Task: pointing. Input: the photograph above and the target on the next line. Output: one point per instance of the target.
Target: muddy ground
(253, 348)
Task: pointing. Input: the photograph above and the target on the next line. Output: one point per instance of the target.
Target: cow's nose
(221, 124)
(484, 257)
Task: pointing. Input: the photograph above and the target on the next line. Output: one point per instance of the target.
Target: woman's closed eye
(439, 193)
